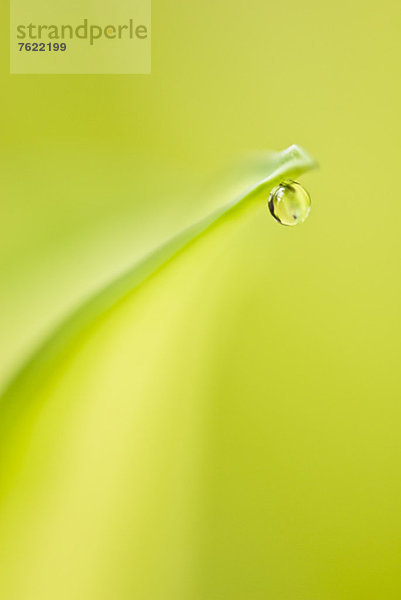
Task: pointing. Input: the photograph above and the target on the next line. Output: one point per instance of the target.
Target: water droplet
(289, 203)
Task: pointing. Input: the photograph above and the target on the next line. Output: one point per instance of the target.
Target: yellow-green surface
(230, 430)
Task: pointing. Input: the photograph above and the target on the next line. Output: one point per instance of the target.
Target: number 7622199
(42, 47)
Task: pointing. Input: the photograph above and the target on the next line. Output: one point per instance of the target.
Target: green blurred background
(231, 431)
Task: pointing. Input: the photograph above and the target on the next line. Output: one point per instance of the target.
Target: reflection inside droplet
(289, 203)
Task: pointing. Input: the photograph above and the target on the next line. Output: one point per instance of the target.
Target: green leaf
(292, 162)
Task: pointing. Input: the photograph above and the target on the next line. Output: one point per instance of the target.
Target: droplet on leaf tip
(289, 203)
